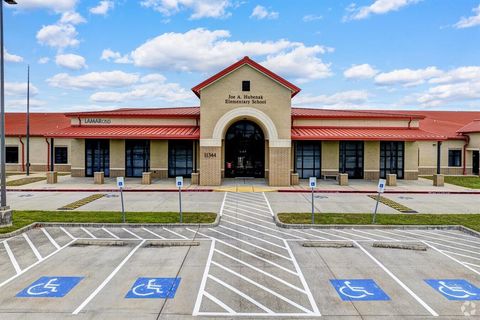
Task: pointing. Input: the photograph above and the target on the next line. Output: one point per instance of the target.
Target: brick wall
(279, 170)
(210, 166)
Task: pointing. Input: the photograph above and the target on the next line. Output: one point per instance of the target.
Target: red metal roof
(179, 112)
(40, 123)
(350, 114)
(473, 126)
(253, 64)
(363, 133)
(128, 132)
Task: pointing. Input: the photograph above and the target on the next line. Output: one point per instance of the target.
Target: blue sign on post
(455, 289)
(154, 288)
(359, 290)
(50, 287)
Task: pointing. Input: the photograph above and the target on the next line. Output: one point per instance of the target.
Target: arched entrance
(244, 150)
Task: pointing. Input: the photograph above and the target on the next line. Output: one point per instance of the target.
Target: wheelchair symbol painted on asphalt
(455, 289)
(154, 288)
(359, 290)
(50, 287)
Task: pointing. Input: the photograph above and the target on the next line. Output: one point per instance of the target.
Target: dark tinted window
(61, 155)
(454, 158)
(245, 85)
(308, 159)
(11, 154)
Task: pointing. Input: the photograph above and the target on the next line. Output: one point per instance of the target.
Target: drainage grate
(82, 202)
(395, 205)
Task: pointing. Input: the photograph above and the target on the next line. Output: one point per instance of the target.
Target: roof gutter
(23, 153)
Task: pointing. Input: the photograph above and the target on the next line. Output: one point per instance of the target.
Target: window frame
(55, 154)
(7, 153)
(313, 148)
(453, 154)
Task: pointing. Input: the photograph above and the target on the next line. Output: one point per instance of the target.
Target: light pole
(28, 120)
(5, 212)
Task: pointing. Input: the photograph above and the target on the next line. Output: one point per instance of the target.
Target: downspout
(48, 152)
(79, 121)
(23, 153)
(465, 154)
(410, 123)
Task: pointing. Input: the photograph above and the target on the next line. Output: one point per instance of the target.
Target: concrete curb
(108, 225)
(109, 190)
(362, 226)
(375, 191)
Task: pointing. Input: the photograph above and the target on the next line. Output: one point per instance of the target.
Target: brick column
(210, 166)
(279, 166)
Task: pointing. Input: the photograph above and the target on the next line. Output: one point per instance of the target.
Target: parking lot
(246, 267)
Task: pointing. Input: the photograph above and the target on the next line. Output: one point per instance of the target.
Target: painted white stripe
(451, 237)
(374, 234)
(331, 234)
(251, 229)
(397, 234)
(248, 196)
(249, 207)
(460, 254)
(253, 237)
(107, 280)
(397, 280)
(153, 233)
(465, 264)
(315, 309)
(175, 233)
(251, 244)
(219, 303)
(12, 258)
(55, 244)
(353, 234)
(67, 233)
(471, 264)
(32, 246)
(255, 203)
(248, 216)
(223, 203)
(264, 227)
(34, 265)
(241, 294)
(448, 241)
(288, 284)
(133, 234)
(88, 232)
(201, 291)
(246, 252)
(248, 211)
(268, 203)
(255, 315)
(258, 285)
(309, 234)
(462, 236)
(111, 233)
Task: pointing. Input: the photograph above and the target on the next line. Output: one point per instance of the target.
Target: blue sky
(370, 54)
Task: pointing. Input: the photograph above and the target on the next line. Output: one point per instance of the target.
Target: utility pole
(28, 120)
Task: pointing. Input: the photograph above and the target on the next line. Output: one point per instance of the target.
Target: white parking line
(111, 233)
(107, 280)
(397, 280)
(465, 264)
(249, 207)
(219, 303)
(331, 234)
(252, 229)
(175, 233)
(223, 203)
(201, 291)
(375, 235)
(462, 236)
(449, 241)
(55, 244)
(133, 234)
(268, 203)
(32, 246)
(248, 210)
(250, 203)
(12, 258)
(397, 234)
(88, 232)
(353, 234)
(456, 238)
(67, 233)
(264, 227)
(153, 233)
(248, 216)
(253, 237)
(459, 254)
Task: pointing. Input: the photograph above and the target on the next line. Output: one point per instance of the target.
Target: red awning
(385, 134)
(128, 132)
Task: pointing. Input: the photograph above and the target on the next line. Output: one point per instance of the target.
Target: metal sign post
(313, 184)
(179, 183)
(380, 189)
(120, 185)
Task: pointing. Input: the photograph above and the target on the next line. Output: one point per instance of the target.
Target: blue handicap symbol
(455, 289)
(50, 287)
(154, 288)
(359, 290)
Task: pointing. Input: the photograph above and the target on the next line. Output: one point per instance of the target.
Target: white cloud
(11, 57)
(21, 104)
(58, 36)
(70, 61)
(152, 87)
(340, 99)
(110, 55)
(43, 60)
(200, 8)
(471, 21)
(93, 80)
(407, 77)
(468, 73)
(201, 50)
(448, 93)
(72, 17)
(377, 7)
(361, 71)
(311, 17)
(19, 89)
(103, 7)
(260, 13)
(55, 5)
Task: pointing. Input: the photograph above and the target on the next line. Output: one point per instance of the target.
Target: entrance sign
(359, 290)
(179, 183)
(381, 185)
(455, 289)
(50, 287)
(120, 185)
(154, 288)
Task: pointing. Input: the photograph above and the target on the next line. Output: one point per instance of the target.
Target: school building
(245, 126)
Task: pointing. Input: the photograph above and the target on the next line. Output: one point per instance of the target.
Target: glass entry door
(476, 162)
(137, 157)
(392, 156)
(97, 157)
(351, 159)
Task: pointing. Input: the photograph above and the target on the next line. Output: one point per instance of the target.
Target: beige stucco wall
(159, 158)
(354, 123)
(411, 160)
(428, 157)
(78, 157)
(117, 158)
(371, 162)
(330, 156)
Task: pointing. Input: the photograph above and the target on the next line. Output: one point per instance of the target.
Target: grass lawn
(468, 220)
(462, 181)
(24, 218)
(24, 181)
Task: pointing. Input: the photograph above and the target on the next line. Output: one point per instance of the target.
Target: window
(246, 85)
(351, 159)
(61, 155)
(309, 159)
(11, 154)
(180, 158)
(392, 154)
(454, 158)
(137, 157)
(97, 157)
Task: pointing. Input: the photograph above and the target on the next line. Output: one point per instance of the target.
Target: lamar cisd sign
(97, 121)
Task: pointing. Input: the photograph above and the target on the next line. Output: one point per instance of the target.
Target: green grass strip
(468, 220)
(462, 181)
(24, 218)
